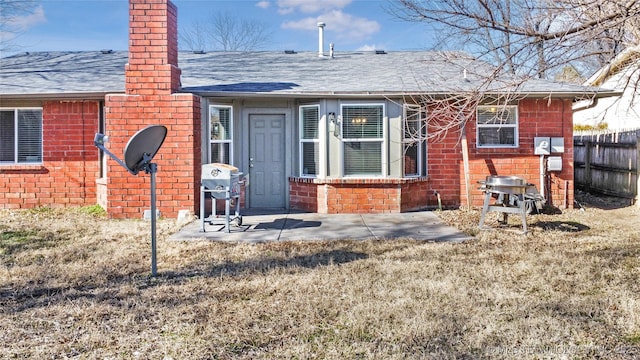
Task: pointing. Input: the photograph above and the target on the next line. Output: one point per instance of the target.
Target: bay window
(414, 140)
(309, 141)
(362, 138)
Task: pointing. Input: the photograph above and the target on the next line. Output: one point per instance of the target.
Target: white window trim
(15, 136)
(231, 132)
(422, 140)
(384, 154)
(515, 126)
(302, 141)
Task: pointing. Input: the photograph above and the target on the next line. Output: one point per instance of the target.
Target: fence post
(638, 170)
(587, 164)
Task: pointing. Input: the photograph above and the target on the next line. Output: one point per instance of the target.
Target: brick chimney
(153, 48)
(151, 97)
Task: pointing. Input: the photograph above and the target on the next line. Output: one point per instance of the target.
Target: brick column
(152, 80)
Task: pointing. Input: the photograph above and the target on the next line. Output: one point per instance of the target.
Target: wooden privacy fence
(607, 162)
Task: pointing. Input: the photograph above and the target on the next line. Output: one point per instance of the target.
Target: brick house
(327, 133)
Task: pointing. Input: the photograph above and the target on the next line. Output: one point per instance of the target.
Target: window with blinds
(20, 136)
(414, 140)
(220, 134)
(362, 137)
(497, 126)
(309, 140)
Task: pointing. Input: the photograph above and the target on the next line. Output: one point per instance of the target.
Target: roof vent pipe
(331, 50)
(321, 26)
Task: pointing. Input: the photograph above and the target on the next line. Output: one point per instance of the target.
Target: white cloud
(310, 6)
(345, 27)
(23, 23)
(368, 48)
(263, 4)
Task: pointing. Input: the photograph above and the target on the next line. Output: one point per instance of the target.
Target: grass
(73, 284)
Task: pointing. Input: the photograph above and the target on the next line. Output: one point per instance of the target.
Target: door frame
(288, 148)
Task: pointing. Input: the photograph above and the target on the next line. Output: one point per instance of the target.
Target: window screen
(497, 126)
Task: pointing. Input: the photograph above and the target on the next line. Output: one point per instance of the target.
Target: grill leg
(485, 208)
(523, 212)
(202, 214)
(227, 210)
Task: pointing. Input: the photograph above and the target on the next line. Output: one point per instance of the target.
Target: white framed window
(414, 128)
(497, 126)
(362, 139)
(221, 134)
(20, 135)
(309, 140)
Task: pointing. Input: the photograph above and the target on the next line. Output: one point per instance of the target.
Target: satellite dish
(143, 146)
(140, 149)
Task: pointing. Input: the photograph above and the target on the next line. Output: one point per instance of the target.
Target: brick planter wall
(335, 196)
(69, 169)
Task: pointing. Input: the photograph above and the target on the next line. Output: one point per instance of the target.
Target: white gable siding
(621, 112)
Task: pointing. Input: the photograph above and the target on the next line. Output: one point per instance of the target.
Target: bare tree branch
(225, 32)
(513, 32)
(12, 21)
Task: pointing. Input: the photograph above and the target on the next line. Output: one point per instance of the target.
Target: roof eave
(98, 95)
(378, 94)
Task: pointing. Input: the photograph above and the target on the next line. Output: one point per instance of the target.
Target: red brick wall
(443, 159)
(178, 159)
(536, 118)
(153, 48)
(303, 195)
(152, 79)
(70, 161)
(414, 196)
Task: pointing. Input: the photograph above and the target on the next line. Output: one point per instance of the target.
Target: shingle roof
(269, 73)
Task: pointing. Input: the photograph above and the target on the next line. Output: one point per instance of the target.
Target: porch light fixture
(334, 124)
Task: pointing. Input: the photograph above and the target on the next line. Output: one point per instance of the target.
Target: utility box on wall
(557, 145)
(542, 145)
(554, 163)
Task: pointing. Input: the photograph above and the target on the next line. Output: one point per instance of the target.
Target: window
(362, 136)
(497, 126)
(309, 141)
(414, 139)
(221, 134)
(20, 136)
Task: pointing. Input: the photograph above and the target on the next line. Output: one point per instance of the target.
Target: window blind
(29, 136)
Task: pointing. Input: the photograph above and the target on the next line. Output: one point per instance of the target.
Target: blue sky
(102, 24)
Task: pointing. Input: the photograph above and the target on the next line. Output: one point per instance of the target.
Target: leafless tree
(226, 32)
(523, 40)
(531, 37)
(11, 12)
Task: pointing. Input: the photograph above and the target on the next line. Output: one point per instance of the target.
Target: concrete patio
(279, 225)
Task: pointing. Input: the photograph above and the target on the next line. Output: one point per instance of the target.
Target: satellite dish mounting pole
(152, 168)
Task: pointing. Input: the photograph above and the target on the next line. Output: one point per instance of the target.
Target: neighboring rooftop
(271, 73)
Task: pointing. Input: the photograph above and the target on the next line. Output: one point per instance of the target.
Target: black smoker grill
(220, 182)
(511, 197)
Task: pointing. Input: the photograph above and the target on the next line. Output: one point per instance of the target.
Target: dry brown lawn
(76, 285)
